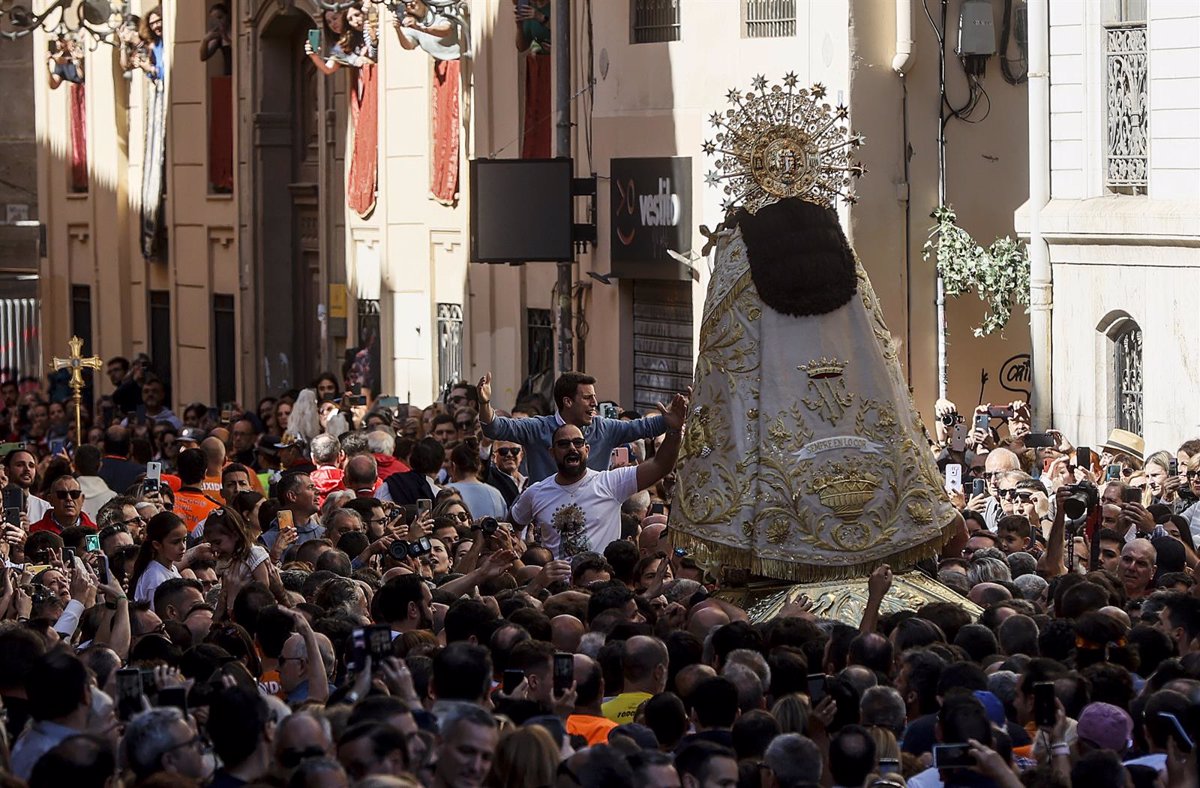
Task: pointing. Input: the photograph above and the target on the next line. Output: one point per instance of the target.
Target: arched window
(1127, 368)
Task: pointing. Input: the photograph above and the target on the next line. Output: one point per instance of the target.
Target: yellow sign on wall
(337, 301)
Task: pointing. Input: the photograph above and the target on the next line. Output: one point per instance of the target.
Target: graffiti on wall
(1015, 376)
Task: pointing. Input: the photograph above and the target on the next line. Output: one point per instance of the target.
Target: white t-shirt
(240, 571)
(578, 517)
(155, 575)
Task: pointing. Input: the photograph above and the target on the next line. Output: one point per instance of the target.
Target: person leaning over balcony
(575, 398)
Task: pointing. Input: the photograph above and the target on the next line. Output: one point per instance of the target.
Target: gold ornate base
(842, 600)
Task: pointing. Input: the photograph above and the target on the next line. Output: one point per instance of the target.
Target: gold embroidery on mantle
(845, 488)
(825, 379)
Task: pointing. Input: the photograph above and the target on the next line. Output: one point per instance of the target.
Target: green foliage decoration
(999, 274)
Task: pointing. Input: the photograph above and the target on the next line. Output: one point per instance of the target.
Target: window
(160, 335)
(768, 18)
(654, 21)
(1127, 366)
(539, 341)
(450, 349)
(224, 355)
(1127, 96)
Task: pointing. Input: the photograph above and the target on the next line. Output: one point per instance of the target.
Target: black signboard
(651, 213)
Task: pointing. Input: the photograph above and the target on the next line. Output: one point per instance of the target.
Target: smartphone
(68, 554)
(952, 756)
(355, 400)
(14, 499)
(356, 658)
(1112, 473)
(314, 40)
(981, 422)
(954, 477)
(619, 457)
(57, 445)
(1000, 411)
(173, 696)
(1132, 495)
(1083, 457)
(1173, 467)
(564, 672)
(284, 519)
(978, 487)
(12, 515)
(149, 687)
(91, 543)
(958, 437)
(153, 480)
(1039, 440)
(1045, 704)
(102, 569)
(658, 507)
(391, 402)
(816, 688)
(424, 506)
(512, 679)
(420, 547)
(129, 693)
(379, 642)
(1181, 737)
(889, 765)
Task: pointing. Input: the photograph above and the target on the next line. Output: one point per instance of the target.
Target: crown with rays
(775, 142)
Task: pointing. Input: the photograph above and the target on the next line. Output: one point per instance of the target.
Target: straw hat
(1125, 442)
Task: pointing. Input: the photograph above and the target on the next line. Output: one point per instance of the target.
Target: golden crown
(823, 368)
(776, 142)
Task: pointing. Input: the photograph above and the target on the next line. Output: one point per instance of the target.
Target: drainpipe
(1041, 295)
(902, 62)
(903, 59)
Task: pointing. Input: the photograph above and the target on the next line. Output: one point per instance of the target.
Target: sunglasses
(577, 443)
(508, 451)
(65, 494)
(1007, 495)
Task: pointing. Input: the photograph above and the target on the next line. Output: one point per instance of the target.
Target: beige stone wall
(653, 101)
(649, 100)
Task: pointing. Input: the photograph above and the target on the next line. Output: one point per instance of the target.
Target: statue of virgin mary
(803, 458)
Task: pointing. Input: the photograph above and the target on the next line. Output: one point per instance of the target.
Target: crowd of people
(332, 590)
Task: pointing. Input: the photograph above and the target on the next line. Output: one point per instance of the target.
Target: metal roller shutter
(662, 341)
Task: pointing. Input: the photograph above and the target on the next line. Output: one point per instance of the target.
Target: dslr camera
(401, 550)
(489, 525)
(1084, 497)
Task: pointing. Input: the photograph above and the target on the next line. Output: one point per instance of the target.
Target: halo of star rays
(795, 118)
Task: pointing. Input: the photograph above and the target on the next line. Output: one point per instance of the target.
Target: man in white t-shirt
(579, 509)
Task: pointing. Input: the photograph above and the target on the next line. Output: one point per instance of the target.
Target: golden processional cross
(76, 362)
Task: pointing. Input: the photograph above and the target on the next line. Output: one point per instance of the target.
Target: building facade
(277, 260)
(1122, 223)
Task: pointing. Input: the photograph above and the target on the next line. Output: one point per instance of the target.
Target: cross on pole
(76, 363)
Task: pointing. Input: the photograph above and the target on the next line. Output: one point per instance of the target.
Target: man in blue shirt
(575, 398)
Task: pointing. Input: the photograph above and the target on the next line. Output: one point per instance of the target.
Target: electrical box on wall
(976, 30)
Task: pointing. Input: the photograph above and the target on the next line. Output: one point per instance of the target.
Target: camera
(489, 525)
(1084, 497)
(950, 419)
(401, 550)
